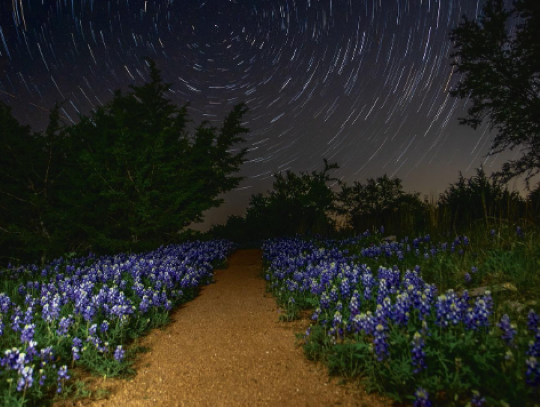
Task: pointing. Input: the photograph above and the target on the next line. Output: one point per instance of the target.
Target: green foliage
(301, 204)
(461, 361)
(296, 204)
(147, 176)
(498, 56)
(128, 177)
(478, 198)
(380, 201)
(32, 165)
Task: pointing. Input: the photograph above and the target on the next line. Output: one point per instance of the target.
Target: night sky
(363, 83)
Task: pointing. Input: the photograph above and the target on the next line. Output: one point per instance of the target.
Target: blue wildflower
(532, 321)
(422, 398)
(119, 353)
(381, 345)
(62, 377)
(25, 379)
(532, 375)
(477, 400)
(508, 330)
(418, 353)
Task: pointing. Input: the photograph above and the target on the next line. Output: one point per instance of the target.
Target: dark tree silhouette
(499, 59)
(128, 177)
(145, 176)
(377, 202)
(297, 204)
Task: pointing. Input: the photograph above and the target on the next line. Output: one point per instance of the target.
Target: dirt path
(228, 348)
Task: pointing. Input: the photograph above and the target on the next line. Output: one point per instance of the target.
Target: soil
(227, 347)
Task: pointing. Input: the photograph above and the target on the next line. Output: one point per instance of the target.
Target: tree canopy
(129, 176)
(498, 56)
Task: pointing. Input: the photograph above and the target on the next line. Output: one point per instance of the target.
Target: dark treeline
(318, 204)
(128, 177)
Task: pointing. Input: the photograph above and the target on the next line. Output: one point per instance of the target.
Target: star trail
(363, 83)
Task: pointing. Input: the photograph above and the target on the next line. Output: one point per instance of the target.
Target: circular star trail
(363, 83)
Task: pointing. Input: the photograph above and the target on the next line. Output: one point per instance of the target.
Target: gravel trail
(227, 347)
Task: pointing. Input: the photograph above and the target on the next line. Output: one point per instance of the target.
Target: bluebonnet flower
(400, 313)
(334, 294)
(422, 398)
(307, 333)
(442, 309)
(104, 327)
(534, 345)
(31, 350)
(477, 400)
(489, 302)
(62, 376)
(422, 303)
(16, 319)
(474, 269)
(345, 288)
(467, 277)
(379, 340)
(324, 301)
(29, 314)
(478, 316)
(46, 355)
(519, 232)
(25, 379)
(119, 353)
(368, 282)
(27, 333)
(383, 291)
(418, 353)
(366, 323)
(5, 303)
(454, 308)
(532, 375)
(509, 330)
(64, 325)
(532, 321)
(42, 377)
(76, 348)
(354, 304)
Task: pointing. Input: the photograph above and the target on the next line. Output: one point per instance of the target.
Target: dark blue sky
(363, 83)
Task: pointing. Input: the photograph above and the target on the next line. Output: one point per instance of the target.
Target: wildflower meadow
(424, 322)
(85, 313)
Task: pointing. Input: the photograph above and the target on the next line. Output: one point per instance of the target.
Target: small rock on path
(228, 348)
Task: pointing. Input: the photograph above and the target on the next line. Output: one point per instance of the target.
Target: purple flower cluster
(508, 330)
(417, 353)
(422, 398)
(76, 302)
(353, 300)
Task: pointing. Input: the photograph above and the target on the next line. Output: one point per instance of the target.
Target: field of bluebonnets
(452, 321)
(83, 312)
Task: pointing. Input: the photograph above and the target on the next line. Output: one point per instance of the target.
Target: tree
(379, 202)
(143, 176)
(499, 59)
(478, 198)
(32, 163)
(296, 204)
